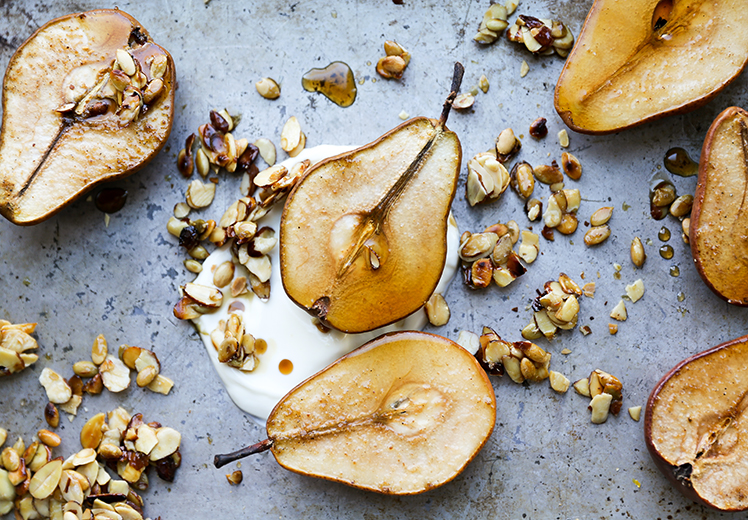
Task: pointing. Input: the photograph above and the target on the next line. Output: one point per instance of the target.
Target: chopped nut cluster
(235, 346)
(556, 308)
(542, 37)
(606, 392)
(103, 371)
(128, 89)
(487, 179)
(521, 361)
(494, 22)
(80, 487)
(395, 61)
(490, 256)
(15, 344)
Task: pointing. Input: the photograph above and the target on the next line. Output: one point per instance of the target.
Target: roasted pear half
(719, 218)
(402, 414)
(88, 98)
(641, 60)
(696, 426)
(363, 236)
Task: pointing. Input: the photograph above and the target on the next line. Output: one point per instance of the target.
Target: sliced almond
(146, 376)
(45, 481)
(223, 274)
(437, 310)
(635, 412)
(204, 295)
(85, 456)
(169, 440)
(291, 134)
(600, 407)
(93, 431)
(161, 385)
(582, 387)
(200, 195)
(260, 267)
(635, 290)
(147, 358)
(619, 312)
(147, 439)
(58, 391)
(114, 374)
(267, 150)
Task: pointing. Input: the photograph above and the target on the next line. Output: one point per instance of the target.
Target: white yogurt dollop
(288, 330)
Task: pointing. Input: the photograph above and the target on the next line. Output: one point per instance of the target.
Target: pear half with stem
(87, 98)
(402, 414)
(696, 426)
(719, 218)
(363, 234)
(644, 59)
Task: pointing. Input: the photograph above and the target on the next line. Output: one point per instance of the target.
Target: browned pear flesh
(644, 59)
(363, 235)
(71, 121)
(696, 426)
(402, 414)
(719, 218)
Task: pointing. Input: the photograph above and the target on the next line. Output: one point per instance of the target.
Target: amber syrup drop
(674, 271)
(261, 346)
(285, 366)
(678, 162)
(664, 234)
(666, 252)
(110, 200)
(335, 82)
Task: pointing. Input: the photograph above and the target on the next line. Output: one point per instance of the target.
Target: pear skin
(64, 128)
(642, 60)
(403, 414)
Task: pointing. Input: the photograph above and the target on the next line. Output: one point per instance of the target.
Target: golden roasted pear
(87, 98)
(400, 415)
(719, 218)
(644, 59)
(363, 235)
(696, 426)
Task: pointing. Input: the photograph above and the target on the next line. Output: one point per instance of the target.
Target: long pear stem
(456, 82)
(226, 458)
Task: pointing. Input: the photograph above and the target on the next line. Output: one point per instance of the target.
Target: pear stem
(226, 458)
(456, 82)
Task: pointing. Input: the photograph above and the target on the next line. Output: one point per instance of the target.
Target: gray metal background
(545, 459)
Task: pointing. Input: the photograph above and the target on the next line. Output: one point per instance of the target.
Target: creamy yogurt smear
(288, 330)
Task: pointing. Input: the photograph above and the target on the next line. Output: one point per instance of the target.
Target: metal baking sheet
(78, 277)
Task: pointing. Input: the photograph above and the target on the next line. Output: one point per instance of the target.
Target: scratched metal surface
(78, 278)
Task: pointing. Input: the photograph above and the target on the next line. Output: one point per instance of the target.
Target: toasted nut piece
(539, 128)
(85, 369)
(437, 310)
(513, 228)
(49, 438)
(291, 134)
(513, 368)
(573, 200)
(571, 165)
(45, 481)
(93, 431)
(71, 407)
(204, 295)
(99, 350)
(681, 206)
(601, 216)
(200, 195)
(235, 478)
(585, 330)
(582, 387)
(470, 341)
(663, 194)
(463, 101)
(11, 459)
(612, 328)
(563, 141)
(596, 235)
(529, 249)
(56, 387)
(544, 324)
(161, 385)
(568, 310)
(114, 374)
(223, 274)
(534, 209)
(559, 382)
(589, 289)
(619, 312)
(635, 290)
(548, 174)
(169, 440)
(268, 88)
(524, 69)
(483, 83)
(635, 412)
(3, 436)
(51, 415)
(554, 213)
(125, 62)
(507, 145)
(600, 407)
(478, 245)
(531, 332)
(267, 150)
(146, 376)
(568, 224)
(638, 256)
(522, 179)
(481, 273)
(193, 266)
